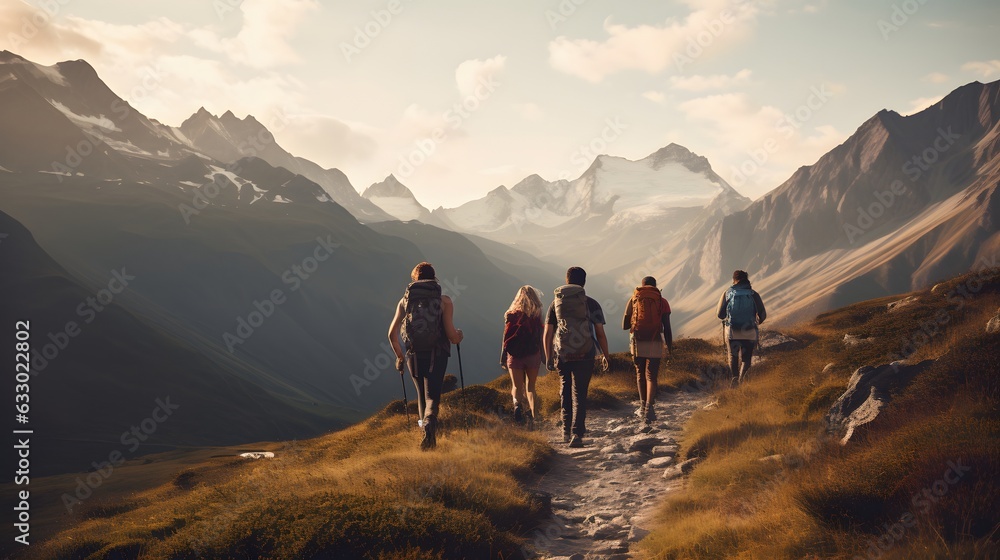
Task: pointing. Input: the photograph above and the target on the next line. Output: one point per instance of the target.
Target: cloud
(985, 69)
(529, 111)
(811, 8)
(922, 103)
(655, 96)
(936, 78)
(263, 39)
(712, 25)
(704, 83)
(471, 73)
(322, 138)
(756, 147)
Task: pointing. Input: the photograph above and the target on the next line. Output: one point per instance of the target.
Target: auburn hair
(423, 271)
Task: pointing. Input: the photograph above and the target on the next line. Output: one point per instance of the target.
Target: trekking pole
(461, 376)
(406, 405)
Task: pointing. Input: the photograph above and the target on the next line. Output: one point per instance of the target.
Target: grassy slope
(363, 492)
(368, 492)
(820, 499)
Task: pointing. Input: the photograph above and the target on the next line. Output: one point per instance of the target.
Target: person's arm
(668, 335)
(394, 328)
(627, 319)
(722, 306)
(761, 312)
(454, 335)
(602, 340)
(550, 337)
(503, 345)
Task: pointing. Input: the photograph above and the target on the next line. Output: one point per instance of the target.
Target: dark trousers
(428, 380)
(574, 379)
(741, 351)
(646, 372)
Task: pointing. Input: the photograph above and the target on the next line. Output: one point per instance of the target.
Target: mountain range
(273, 277)
(248, 276)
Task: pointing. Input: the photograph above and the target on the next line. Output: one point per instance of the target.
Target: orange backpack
(647, 316)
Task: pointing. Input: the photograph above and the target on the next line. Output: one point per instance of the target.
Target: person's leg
(747, 359)
(582, 372)
(433, 381)
(416, 366)
(734, 358)
(652, 373)
(517, 391)
(565, 397)
(640, 379)
(531, 376)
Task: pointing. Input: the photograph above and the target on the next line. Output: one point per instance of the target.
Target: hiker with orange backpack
(574, 329)
(424, 321)
(741, 310)
(647, 318)
(521, 352)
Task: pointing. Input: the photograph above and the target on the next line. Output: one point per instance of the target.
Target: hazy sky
(474, 94)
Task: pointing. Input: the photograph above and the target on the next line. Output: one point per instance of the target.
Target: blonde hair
(527, 300)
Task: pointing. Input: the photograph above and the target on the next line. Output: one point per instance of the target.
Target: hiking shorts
(529, 362)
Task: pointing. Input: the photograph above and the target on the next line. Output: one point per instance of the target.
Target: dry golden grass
(818, 499)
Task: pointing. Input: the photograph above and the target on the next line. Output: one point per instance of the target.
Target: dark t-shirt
(596, 316)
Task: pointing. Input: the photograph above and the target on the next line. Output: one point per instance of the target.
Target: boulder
(993, 327)
(664, 451)
(643, 443)
(774, 340)
(660, 462)
(681, 468)
(896, 305)
(854, 340)
(869, 389)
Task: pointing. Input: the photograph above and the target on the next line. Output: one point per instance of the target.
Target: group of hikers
(568, 338)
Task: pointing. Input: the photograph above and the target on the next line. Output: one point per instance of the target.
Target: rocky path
(604, 494)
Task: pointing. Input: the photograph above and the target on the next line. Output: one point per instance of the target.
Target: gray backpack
(574, 338)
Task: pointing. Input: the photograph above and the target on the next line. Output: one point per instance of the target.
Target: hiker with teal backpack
(521, 351)
(647, 318)
(424, 321)
(741, 310)
(574, 329)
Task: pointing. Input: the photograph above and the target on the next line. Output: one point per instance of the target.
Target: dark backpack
(521, 334)
(422, 328)
(741, 309)
(647, 313)
(574, 339)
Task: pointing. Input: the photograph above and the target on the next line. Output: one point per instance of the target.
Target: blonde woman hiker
(647, 318)
(424, 321)
(521, 353)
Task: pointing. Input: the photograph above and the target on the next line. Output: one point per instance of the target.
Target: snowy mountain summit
(396, 200)
(619, 190)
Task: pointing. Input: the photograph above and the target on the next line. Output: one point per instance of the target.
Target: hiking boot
(529, 419)
(650, 415)
(641, 411)
(577, 441)
(429, 440)
(566, 437)
(518, 414)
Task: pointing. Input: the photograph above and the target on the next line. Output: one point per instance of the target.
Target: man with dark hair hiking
(647, 318)
(574, 328)
(424, 320)
(741, 310)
